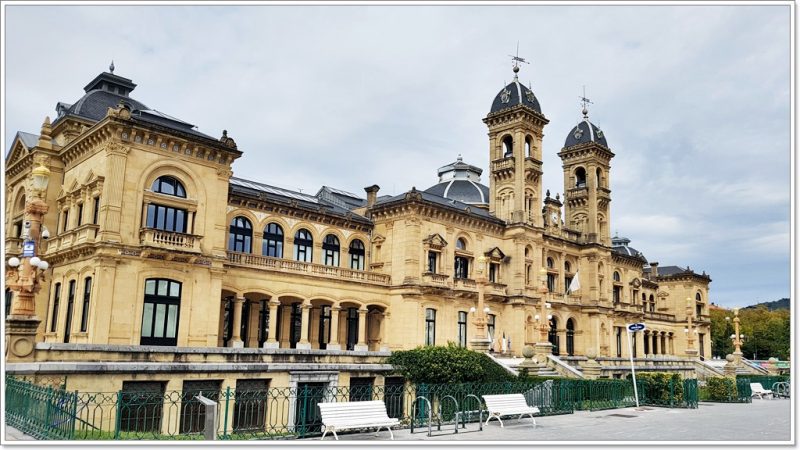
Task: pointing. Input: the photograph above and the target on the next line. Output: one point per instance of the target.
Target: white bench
(758, 390)
(508, 405)
(338, 416)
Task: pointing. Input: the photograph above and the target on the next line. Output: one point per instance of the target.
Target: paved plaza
(760, 422)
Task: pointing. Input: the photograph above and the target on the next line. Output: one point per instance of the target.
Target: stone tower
(586, 161)
(515, 124)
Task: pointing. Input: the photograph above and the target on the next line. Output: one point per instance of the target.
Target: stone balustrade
(290, 266)
(169, 240)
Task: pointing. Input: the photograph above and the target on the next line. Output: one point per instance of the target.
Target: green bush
(660, 387)
(721, 389)
(450, 364)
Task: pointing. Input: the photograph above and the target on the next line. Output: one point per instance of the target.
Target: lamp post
(737, 338)
(480, 342)
(689, 330)
(543, 347)
(26, 274)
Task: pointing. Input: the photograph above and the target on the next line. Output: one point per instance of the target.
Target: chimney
(372, 195)
(653, 270)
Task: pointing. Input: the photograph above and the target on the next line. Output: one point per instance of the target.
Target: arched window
(550, 263)
(652, 303)
(570, 337)
(699, 304)
(528, 147)
(567, 276)
(430, 326)
(169, 185)
(303, 245)
(461, 262)
(272, 245)
(508, 146)
(240, 238)
(599, 178)
(357, 255)
(617, 288)
(461, 244)
(330, 248)
(160, 315)
(580, 177)
(551, 275)
(567, 267)
(87, 293)
(616, 276)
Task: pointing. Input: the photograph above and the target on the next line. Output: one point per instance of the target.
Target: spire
(111, 67)
(585, 101)
(44, 135)
(517, 60)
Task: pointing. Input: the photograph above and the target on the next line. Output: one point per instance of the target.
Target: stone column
(236, 333)
(272, 336)
(361, 346)
(384, 346)
(306, 310)
(334, 342)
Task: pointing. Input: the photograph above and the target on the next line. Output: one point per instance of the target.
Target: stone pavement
(759, 422)
(13, 434)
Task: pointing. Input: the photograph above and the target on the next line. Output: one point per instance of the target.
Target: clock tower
(515, 124)
(586, 160)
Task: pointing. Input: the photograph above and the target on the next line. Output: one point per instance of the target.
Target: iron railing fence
(292, 412)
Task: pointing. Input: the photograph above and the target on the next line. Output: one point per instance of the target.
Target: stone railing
(85, 233)
(497, 288)
(437, 279)
(289, 266)
(13, 246)
(169, 240)
(659, 316)
(577, 193)
(503, 164)
(532, 164)
(465, 283)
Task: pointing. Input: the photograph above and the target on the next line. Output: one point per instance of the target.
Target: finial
(517, 60)
(111, 67)
(557, 196)
(224, 133)
(45, 139)
(585, 101)
(548, 193)
(459, 159)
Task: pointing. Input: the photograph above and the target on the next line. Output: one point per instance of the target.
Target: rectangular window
(324, 326)
(617, 294)
(295, 324)
(361, 388)
(166, 218)
(87, 293)
(263, 323)
(432, 257)
(461, 267)
(567, 282)
(494, 270)
(160, 314)
(9, 298)
(54, 315)
(551, 282)
(490, 321)
(302, 252)
(70, 307)
(250, 407)
(356, 261)
(193, 413)
(96, 210)
(430, 326)
(462, 328)
(65, 219)
(352, 328)
(331, 257)
(619, 342)
(80, 214)
(144, 403)
(646, 344)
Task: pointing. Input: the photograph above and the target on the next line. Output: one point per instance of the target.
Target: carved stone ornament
(529, 96)
(578, 133)
(116, 148)
(227, 141)
(505, 96)
(599, 132)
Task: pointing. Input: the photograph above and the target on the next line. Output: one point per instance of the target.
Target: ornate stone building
(161, 258)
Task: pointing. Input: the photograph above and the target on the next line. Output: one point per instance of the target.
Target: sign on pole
(28, 249)
(632, 329)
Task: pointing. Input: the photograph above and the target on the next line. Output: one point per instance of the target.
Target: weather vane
(517, 60)
(585, 101)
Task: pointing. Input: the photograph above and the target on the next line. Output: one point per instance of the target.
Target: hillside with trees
(766, 331)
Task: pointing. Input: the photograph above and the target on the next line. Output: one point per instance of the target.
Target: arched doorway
(570, 337)
(552, 336)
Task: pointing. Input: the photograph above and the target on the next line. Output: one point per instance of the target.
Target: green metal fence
(290, 413)
(767, 381)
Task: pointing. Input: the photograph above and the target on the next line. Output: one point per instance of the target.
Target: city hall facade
(167, 268)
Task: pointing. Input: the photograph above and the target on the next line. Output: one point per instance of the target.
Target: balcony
(299, 267)
(496, 288)
(13, 246)
(169, 240)
(532, 164)
(659, 316)
(503, 164)
(86, 233)
(465, 284)
(435, 279)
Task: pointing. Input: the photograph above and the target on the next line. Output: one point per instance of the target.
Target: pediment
(495, 253)
(435, 241)
(378, 239)
(18, 151)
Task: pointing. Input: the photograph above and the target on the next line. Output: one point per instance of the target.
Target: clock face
(554, 218)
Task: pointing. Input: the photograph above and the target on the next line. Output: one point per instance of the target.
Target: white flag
(575, 284)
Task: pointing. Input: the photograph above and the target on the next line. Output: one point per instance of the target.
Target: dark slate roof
(465, 191)
(665, 271)
(459, 165)
(619, 245)
(583, 132)
(515, 94)
(241, 186)
(159, 118)
(441, 201)
(94, 105)
(341, 198)
(29, 139)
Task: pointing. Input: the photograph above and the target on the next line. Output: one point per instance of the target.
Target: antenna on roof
(111, 67)
(517, 60)
(585, 101)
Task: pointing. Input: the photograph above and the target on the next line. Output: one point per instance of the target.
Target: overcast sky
(694, 101)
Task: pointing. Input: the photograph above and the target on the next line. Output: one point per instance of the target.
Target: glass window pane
(151, 215)
(162, 287)
(147, 320)
(179, 224)
(174, 289)
(161, 312)
(167, 188)
(162, 212)
(172, 321)
(170, 225)
(150, 287)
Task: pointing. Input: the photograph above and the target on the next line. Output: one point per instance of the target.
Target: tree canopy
(767, 333)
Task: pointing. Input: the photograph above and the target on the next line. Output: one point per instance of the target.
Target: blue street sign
(28, 248)
(633, 327)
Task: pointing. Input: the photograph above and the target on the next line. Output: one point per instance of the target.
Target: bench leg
(498, 419)
(324, 432)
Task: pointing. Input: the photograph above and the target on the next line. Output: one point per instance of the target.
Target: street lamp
(481, 341)
(26, 274)
(690, 350)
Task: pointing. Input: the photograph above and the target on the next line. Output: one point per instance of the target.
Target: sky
(694, 100)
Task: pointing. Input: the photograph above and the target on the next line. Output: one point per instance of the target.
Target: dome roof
(461, 182)
(620, 246)
(515, 94)
(585, 131)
